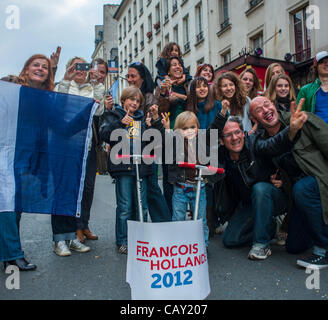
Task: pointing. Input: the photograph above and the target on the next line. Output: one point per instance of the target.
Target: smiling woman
(36, 73)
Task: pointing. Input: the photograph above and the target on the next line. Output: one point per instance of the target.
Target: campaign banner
(167, 261)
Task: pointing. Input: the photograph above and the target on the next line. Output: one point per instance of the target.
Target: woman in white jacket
(69, 228)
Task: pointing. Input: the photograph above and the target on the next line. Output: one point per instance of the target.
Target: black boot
(21, 263)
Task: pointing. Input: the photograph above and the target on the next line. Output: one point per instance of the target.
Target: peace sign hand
(297, 118)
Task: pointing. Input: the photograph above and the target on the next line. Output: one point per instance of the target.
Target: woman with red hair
(206, 71)
(36, 73)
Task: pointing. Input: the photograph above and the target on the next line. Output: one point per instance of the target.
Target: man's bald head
(257, 101)
(264, 111)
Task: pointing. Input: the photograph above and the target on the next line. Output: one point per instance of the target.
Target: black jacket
(111, 121)
(253, 166)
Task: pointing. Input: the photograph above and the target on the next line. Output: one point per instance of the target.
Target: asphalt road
(100, 274)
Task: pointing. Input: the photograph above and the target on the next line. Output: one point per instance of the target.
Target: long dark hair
(166, 52)
(192, 96)
(238, 100)
(148, 84)
(257, 86)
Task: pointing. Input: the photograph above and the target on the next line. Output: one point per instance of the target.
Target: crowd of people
(272, 145)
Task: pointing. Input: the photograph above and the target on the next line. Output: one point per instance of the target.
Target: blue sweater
(205, 119)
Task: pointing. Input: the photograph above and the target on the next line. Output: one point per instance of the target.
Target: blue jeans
(126, 201)
(157, 206)
(253, 221)
(10, 245)
(167, 188)
(307, 201)
(180, 202)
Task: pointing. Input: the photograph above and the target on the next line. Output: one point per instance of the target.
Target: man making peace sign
(304, 170)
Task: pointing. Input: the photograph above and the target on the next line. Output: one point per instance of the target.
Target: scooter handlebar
(195, 166)
(126, 156)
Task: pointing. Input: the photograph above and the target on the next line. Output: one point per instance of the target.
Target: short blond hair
(130, 93)
(184, 117)
(70, 61)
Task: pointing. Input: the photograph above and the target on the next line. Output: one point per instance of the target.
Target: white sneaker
(77, 246)
(221, 228)
(61, 249)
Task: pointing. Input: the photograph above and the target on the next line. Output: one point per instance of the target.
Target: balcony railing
(200, 36)
(187, 47)
(225, 23)
(175, 8)
(254, 3)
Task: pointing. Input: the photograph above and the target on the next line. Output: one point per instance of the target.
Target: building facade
(221, 31)
(106, 40)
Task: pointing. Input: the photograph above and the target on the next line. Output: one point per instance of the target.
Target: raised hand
(70, 73)
(54, 58)
(148, 120)
(166, 120)
(297, 118)
(127, 119)
(109, 102)
(225, 107)
(154, 111)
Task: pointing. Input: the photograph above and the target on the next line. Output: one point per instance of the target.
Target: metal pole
(199, 181)
(139, 190)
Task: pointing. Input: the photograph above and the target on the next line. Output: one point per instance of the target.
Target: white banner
(167, 261)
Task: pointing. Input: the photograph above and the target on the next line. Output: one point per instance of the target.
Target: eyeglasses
(230, 134)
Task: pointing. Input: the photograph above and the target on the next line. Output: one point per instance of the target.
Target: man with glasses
(247, 176)
(306, 167)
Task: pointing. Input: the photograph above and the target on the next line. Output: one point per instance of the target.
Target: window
(151, 63)
(200, 61)
(124, 26)
(157, 25)
(159, 49)
(129, 19)
(199, 23)
(166, 10)
(134, 11)
(130, 50)
(120, 33)
(174, 6)
(254, 3)
(226, 57)
(176, 34)
(167, 38)
(224, 14)
(257, 41)
(135, 44)
(142, 36)
(302, 36)
(186, 33)
(150, 27)
(125, 56)
(141, 7)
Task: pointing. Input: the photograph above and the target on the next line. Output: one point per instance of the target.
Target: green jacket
(309, 92)
(311, 153)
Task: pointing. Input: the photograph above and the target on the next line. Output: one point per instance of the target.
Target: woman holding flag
(36, 73)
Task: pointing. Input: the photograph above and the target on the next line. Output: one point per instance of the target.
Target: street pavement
(100, 274)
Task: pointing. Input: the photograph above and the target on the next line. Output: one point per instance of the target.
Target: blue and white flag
(44, 138)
